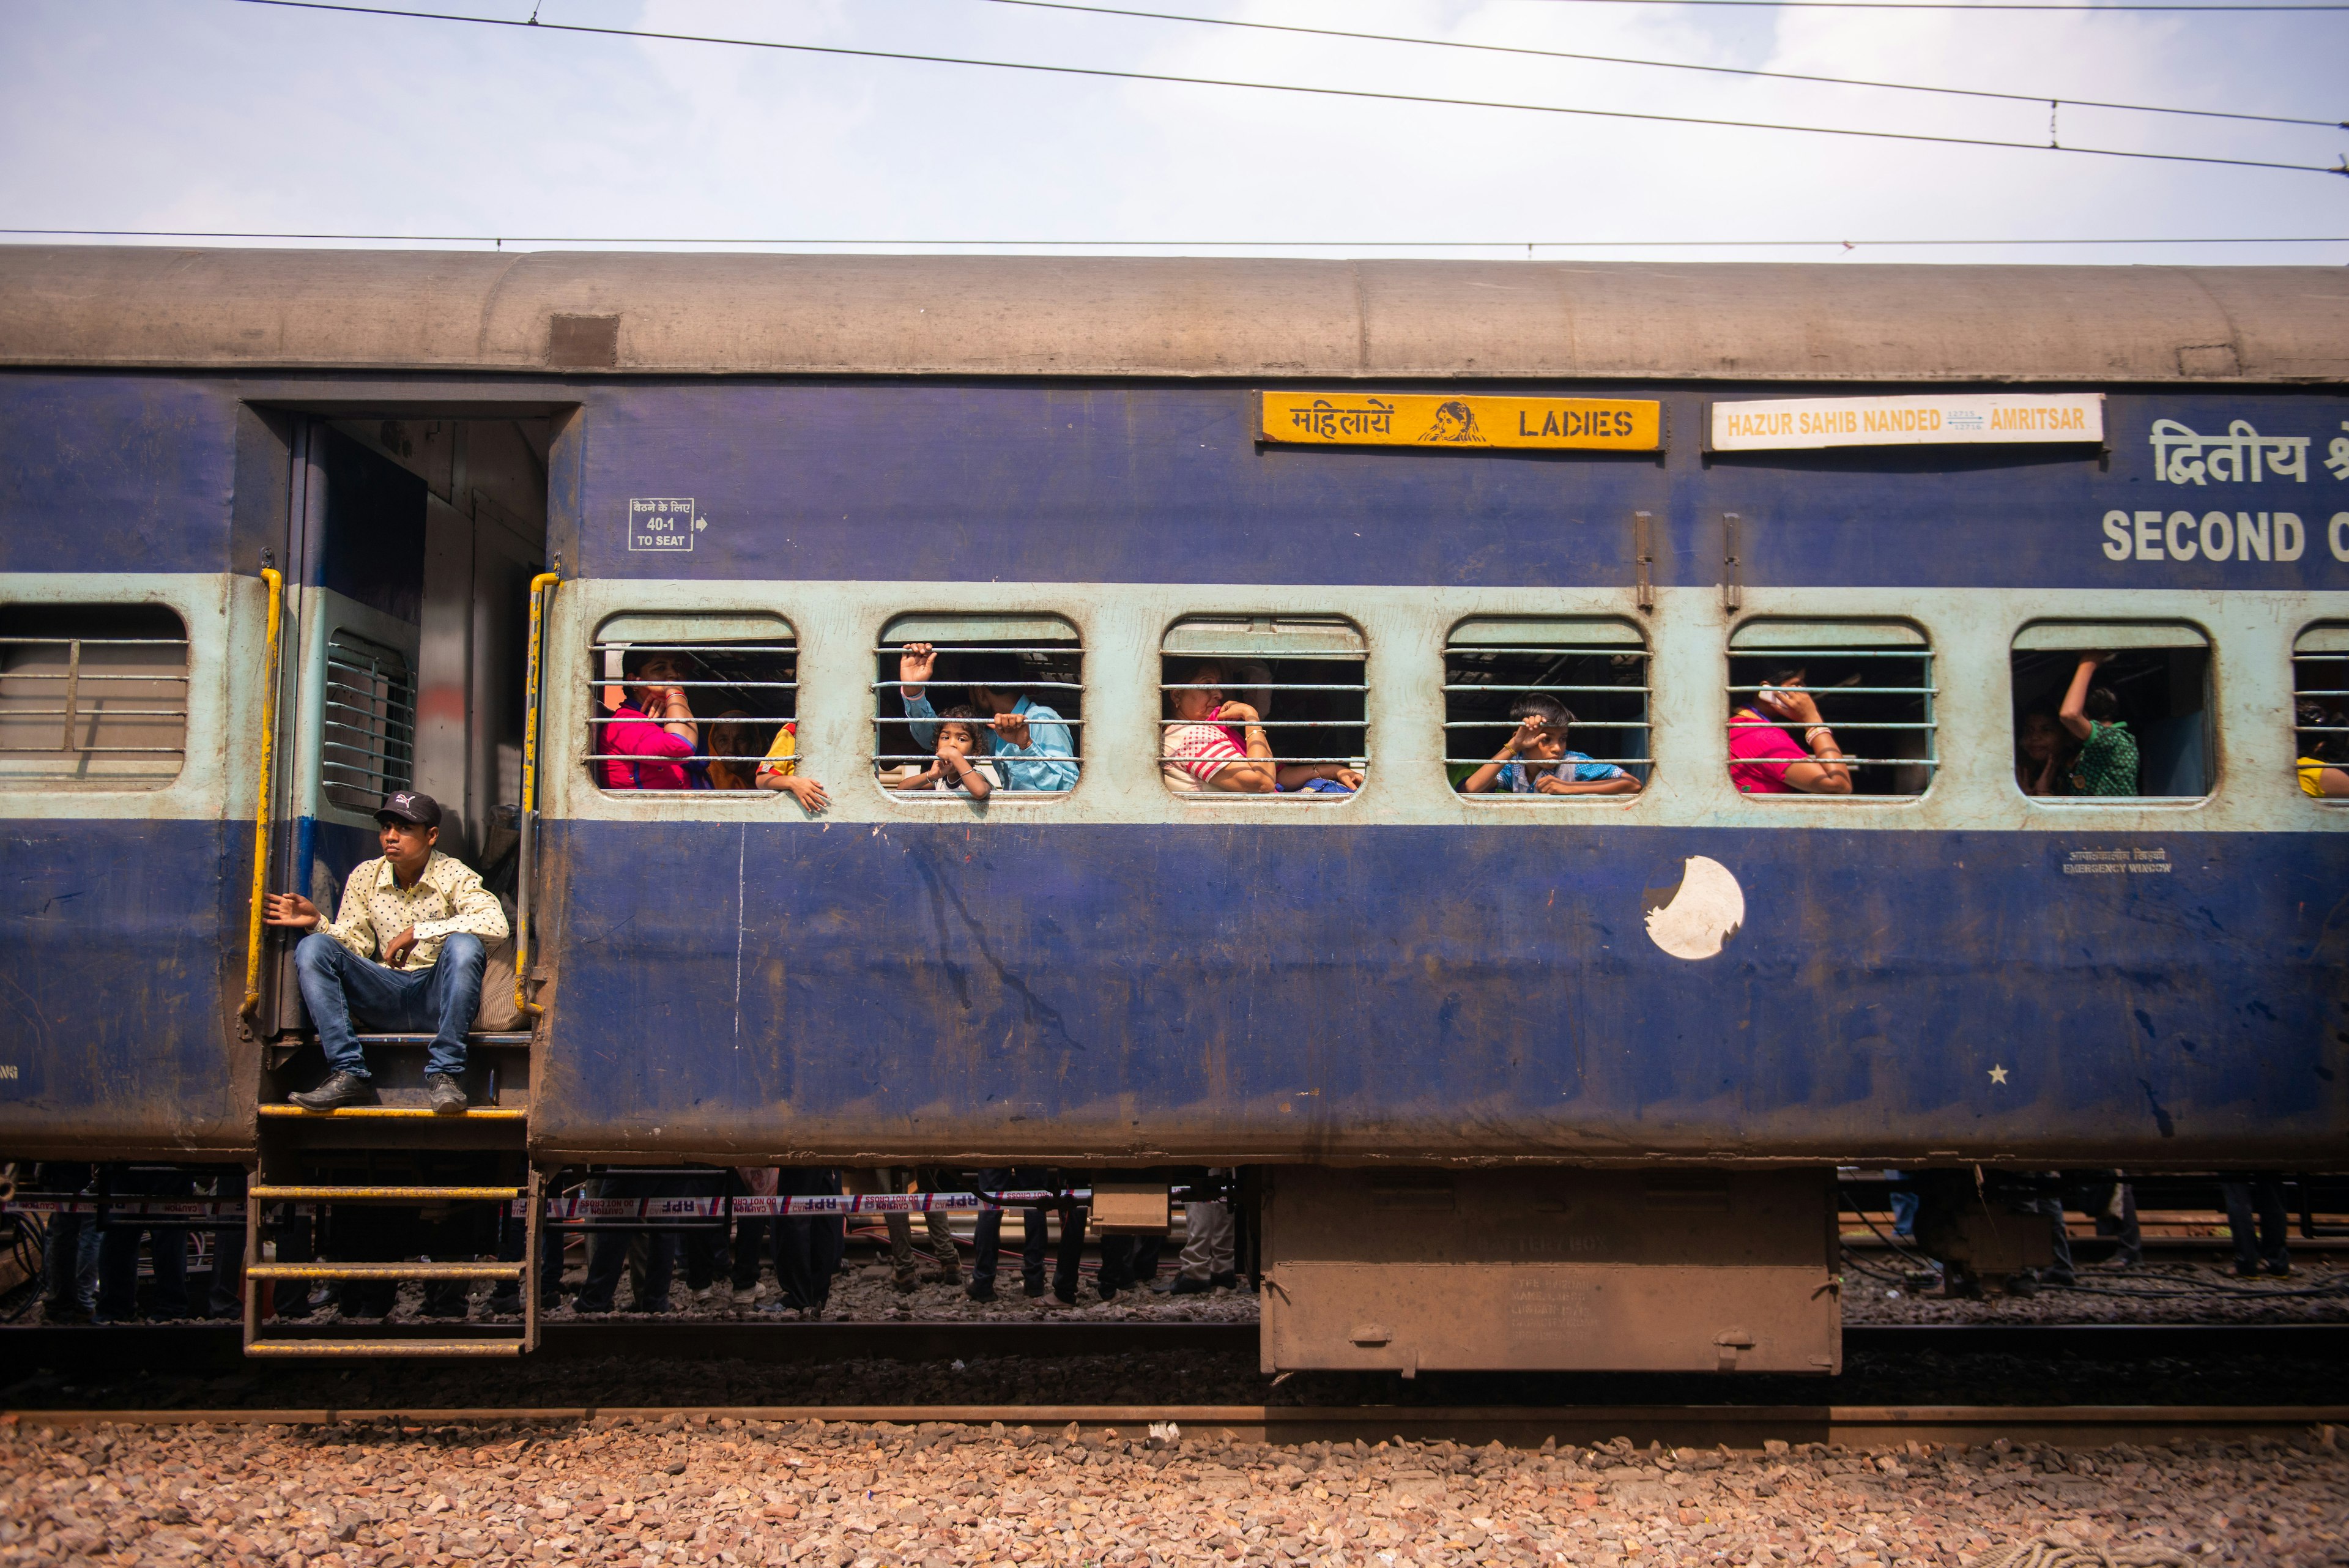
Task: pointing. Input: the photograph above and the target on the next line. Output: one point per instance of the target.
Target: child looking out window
(1536, 760)
(952, 771)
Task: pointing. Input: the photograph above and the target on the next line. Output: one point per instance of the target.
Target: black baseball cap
(410, 805)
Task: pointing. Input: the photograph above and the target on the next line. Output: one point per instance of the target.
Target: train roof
(663, 313)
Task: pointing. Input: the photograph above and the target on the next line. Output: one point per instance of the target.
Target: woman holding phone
(1763, 756)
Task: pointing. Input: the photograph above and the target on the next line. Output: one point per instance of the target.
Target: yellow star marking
(1998, 1075)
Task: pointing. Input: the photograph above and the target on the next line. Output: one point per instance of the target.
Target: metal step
(454, 1118)
(382, 1194)
(385, 1271)
(352, 1349)
(510, 1038)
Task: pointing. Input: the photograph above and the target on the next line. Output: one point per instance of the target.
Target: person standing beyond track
(808, 1247)
(2261, 1245)
(430, 919)
(906, 1178)
(1764, 760)
(1031, 742)
(1207, 1262)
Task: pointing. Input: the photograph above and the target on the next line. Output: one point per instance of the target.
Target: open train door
(410, 552)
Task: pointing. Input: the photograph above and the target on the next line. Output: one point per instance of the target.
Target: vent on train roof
(1271, 635)
(2066, 636)
(1758, 636)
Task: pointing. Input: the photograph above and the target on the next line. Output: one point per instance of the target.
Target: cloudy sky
(220, 115)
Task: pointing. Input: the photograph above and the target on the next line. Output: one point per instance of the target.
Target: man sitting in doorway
(405, 956)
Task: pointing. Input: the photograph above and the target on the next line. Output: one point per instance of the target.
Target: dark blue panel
(114, 473)
(117, 942)
(1286, 991)
(372, 548)
(940, 481)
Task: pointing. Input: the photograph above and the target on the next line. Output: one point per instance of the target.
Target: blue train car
(1932, 489)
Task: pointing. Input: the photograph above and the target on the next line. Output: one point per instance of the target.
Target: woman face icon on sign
(1454, 421)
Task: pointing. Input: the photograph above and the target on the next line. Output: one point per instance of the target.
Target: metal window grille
(1305, 676)
(368, 747)
(1873, 683)
(1040, 656)
(92, 694)
(2320, 690)
(744, 692)
(1597, 669)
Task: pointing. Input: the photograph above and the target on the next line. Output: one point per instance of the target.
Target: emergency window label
(663, 523)
(2115, 862)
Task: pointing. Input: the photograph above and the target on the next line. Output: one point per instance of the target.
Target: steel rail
(179, 1345)
(1740, 1427)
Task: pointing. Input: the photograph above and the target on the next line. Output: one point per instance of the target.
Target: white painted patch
(1704, 911)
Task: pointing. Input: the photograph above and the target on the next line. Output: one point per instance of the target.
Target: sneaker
(1227, 1281)
(1189, 1285)
(448, 1099)
(340, 1089)
(745, 1297)
(906, 1282)
(2281, 1271)
(702, 1297)
(980, 1290)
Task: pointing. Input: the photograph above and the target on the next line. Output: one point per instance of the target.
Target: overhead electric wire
(346, 236)
(1359, 93)
(1663, 64)
(1939, 5)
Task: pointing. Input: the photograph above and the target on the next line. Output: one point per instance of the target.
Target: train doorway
(408, 548)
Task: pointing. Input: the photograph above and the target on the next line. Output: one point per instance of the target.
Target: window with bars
(2320, 690)
(368, 746)
(92, 696)
(686, 702)
(2143, 699)
(1008, 689)
(1264, 707)
(1548, 709)
(1869, 685)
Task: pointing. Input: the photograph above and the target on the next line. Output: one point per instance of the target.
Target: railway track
(184, 1345)
(1737, 1427)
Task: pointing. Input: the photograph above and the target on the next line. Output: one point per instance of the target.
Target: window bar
(73, 684)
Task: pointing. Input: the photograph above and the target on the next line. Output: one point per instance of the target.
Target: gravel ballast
(688, 1490)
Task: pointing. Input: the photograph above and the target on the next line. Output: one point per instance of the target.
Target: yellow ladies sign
(1413, 419)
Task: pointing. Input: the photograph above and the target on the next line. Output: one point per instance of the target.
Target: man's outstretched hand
(292, 909)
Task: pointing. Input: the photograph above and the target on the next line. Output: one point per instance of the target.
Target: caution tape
(185, 1210)
(817, 1205)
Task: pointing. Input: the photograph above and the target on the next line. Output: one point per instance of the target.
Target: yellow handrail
(276, 582)
(529, 792)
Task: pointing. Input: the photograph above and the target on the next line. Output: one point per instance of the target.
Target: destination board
(1780, 425)
(1417, 419)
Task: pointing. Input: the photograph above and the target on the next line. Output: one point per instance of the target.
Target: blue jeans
(337, 984)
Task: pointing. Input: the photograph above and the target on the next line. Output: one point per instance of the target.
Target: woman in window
(1763, 758)
(1216, 744)
(652, 733)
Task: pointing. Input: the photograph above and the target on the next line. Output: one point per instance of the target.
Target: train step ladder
(402, 1127)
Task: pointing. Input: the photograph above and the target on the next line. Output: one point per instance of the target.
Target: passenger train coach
(1589, 1059)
